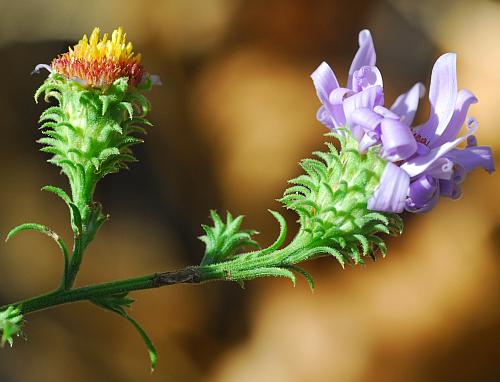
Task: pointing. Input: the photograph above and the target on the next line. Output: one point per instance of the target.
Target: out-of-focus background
(235, 114)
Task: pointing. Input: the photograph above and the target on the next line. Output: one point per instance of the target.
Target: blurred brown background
(235, 114)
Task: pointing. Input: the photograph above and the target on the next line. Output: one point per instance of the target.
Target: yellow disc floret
(98, 62)
(116, 48)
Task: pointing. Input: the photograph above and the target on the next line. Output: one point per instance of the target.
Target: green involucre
(90, 131)
(331, 202)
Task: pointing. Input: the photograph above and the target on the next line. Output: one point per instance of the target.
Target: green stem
(74, 265)
(81, 238)
(227, 270)
(193, 275)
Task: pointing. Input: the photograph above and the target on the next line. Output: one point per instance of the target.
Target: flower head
(98, 62)
(422, 162)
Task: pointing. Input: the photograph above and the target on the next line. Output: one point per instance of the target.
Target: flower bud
(97, 85)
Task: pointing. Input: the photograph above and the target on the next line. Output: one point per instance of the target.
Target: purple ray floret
(438, 166)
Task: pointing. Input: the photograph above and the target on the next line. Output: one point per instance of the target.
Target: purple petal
(335, 106)
(464, 99)
(369, 139)
(406, 104)
(398, 141)
(459, 174)
(450, 189)
(365, 56)
(473, 157)
(366, 118)
(390, 194)
(442, 96)
(441, 169)
(419, 164)
(324, 81)
(423, 194)
(40, 67)
(155, 79)
(365, 77)
(324, 116)
(364, 99)
(385, 112)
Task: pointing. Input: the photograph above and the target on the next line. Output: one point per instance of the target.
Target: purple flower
(359, 106)
(437, 167)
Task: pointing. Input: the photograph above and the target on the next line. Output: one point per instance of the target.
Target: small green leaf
(223, 240)
(281, 236)
(46, 231)
(59, 192)
(117, 303)
(250, 274)
(307, 276)
(153, 354)
(10, 324)
(76, 218)
(324, 249)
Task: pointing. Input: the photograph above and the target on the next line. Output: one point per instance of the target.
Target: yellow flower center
(95, 62)
(116, 48)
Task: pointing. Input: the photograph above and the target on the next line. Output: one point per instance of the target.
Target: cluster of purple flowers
(424, 162)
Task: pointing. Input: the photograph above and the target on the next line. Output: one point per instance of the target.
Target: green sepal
(117, 304)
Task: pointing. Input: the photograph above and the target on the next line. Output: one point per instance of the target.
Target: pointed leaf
(281, 236)
(46, 231)
(307, 276)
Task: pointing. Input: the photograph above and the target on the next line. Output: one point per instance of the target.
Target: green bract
(91, 130)
(331, 200)
(223, 240)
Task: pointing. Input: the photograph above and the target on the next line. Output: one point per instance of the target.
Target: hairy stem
(227, 270)
(188, 275)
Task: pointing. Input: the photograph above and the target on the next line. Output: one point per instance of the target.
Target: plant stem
(191, 275)
(229, 270)
(74, 265)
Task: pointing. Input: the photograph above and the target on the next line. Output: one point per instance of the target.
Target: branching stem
(188, 275)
